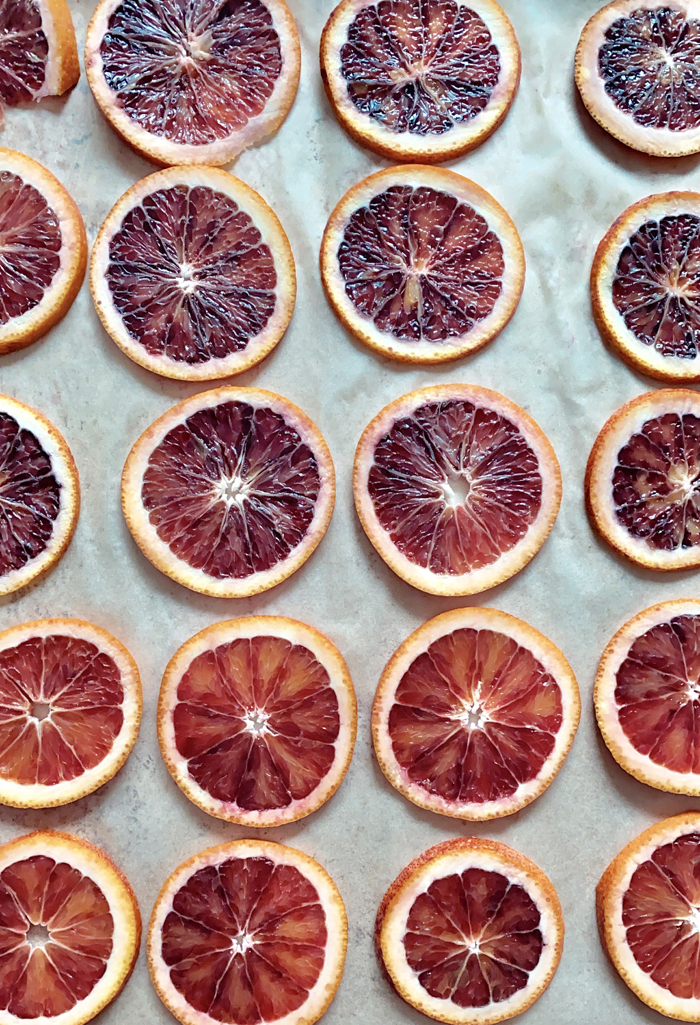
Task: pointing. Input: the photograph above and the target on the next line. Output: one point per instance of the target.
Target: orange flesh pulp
(30, 243)
(475, 716)
(419, 67)
(23, 51)
(56, 934)
(232, 490)
(473, 938)
(257, 721)
(455, 486)
(245, 940)
(420, 264)
(60, 709)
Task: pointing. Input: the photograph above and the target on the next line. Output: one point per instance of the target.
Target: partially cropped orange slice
(38, 51)
(470, 933)
(70, 930)
(246, 933)
(474, 714)
(456, 487)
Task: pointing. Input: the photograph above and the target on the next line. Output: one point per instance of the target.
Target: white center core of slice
(680, 476)
(241, 943)
(694, 919)
(455, 491)
(38, 936)
(256, 721)
(40, 711)
(232, 491)
(187, 280)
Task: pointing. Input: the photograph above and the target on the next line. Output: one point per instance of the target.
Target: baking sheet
(563, 180)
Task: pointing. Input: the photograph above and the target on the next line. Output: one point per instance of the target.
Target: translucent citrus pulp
(70, 930)
(230, 491)
(193, 82)
(38, 51)
(39, 495)
(470, 933)
(245, 933)
(648, 903)
(474, 714)
(257, 720)
(643, 480)
(636, 70)
(420, 80)
(421, 264)
(456, 487)
(192, 274)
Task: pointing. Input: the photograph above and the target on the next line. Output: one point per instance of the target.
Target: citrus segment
(474, 714)
(38, 51)
(248, 932)
(193, 83)
(470, 932)
(420, 81)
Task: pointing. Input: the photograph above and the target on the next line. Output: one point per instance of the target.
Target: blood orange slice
(421, 264)
(470, 933)
(38, 51)
(417, 80)
(474, 714)
(257, 720)
(70, 930)
(44, 250)
(456, 487)
(230, 491)
(39, 495)
(245, 933)
(648, 903)
(643, 480)
(636, 70)
(193, 83)
(192, 274)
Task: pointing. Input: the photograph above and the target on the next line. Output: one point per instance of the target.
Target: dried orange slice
(38, 51)
(474, 714)
(456, 487)
(257, 720)
(421, 264)
(44, 250)
(39, 495)
(193, 83)
(70, 930)
(423, 81)
(648, 903)
(643, 480)
(192, 274)
(636, 70)
(230, 491)
(245, 933)
(470, 933)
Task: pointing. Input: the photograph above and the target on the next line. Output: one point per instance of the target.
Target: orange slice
(44, 250)
(648, 903)
(192, 274)
(421, 264)
(70, 709)
(245, 933)
(70, 930)
(420, 81)
(456, 487)
(230, 491)
(643, 480)
(257, 720)
(39, 495)
(38, 51)
(470, 933)
(636, 70)
(193, 84)
(474, 714)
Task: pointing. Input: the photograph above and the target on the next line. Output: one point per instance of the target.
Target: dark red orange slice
(38, 51)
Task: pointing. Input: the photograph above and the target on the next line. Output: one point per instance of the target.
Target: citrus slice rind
(116, 931)
(180, 46)
(551, 708)
(650, 55)
(241, 277)
(431, 144)
(238, 706)
(657, 435)
(544, 472)
(306, 436)
(486, 240)
(44, 30)
(442, 865)
(650, 276)
(334, 921)
(27, 260)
